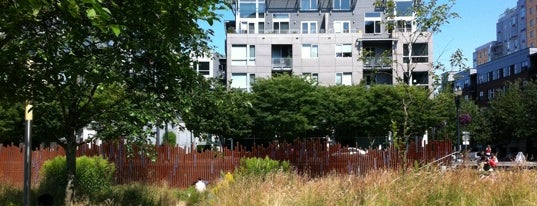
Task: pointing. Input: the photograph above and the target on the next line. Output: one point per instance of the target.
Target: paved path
(506, 164)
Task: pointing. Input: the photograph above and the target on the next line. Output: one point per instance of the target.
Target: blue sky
(475, 27)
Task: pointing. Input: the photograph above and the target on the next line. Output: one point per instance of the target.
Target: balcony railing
(376, 62)
(282, 63)
(292, 31)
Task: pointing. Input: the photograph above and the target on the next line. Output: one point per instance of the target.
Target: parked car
(350, 151)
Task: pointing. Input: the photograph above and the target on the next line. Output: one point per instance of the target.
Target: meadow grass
(420, 187)
(424, 187)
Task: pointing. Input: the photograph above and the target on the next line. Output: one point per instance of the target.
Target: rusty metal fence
(177, 167)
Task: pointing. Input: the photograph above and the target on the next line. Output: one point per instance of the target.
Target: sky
(475, 27)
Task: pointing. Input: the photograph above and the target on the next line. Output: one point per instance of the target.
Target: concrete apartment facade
(331, 42)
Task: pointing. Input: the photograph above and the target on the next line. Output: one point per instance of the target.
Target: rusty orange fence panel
(178, 167)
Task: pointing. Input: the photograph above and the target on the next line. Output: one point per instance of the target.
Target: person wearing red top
(488, 151)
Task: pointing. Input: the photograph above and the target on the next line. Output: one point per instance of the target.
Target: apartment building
(330, 42)
(510, 57)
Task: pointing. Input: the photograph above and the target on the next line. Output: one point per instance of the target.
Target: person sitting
(488, 151)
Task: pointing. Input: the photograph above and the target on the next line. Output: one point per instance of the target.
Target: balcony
(284, 64)
(376, 62)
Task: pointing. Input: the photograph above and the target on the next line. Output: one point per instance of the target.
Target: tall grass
(433, 187)
(421, 187)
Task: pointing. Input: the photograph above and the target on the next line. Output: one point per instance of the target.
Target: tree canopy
(119, 66)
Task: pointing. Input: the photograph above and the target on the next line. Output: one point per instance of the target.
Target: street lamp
(458, 93)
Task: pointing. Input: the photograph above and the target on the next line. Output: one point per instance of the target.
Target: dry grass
(424, 187)
(459, 187)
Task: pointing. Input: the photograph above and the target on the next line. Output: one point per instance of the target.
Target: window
(491, 93)
(406, 26)
(247, 9)
(203, 68)
(343, 50)
(247, 27)
(420, 53)
(342, 4)
(512, 69)
(490, 76)
(403, 8)
(309, 27)
(517, 69)
(308, 5)
(311, 77)
(310, 51)
(372, 22)
(281, 23)
(242, 81)
(524, 65)
(344, 78)
(242, 55)
(500, 73)
(342, 27)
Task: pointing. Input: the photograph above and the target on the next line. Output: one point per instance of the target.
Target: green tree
(345, 108)
(429, 16)
(479, 126)
(221, 111)
(114, 64)
(285, 107)
(11, 122)
(512, 113)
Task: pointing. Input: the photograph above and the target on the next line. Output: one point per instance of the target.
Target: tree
(285, 107)
(344, 110)
(220, 111)
(512, 113)
(428, 17)
(479, 126)
(114, 64)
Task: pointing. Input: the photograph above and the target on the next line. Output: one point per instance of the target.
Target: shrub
(170, 138)
(262, 167)
(93, 174)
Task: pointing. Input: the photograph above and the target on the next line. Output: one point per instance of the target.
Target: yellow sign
(28, 114)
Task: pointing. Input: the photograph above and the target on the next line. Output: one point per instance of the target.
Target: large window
(242, 81)
(309, 27)
(243, 55)
(420, 53)
(310, 51)
(403, 8)
(344, 78)
(343, 50)
(203, 68)
(247, 9)
(342, 4)
(405, 26)
(372, 22)
(342, 26)
(311, 77)
(281, 23)
(308, 5)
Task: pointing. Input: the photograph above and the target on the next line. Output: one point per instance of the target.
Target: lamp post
(458, 93)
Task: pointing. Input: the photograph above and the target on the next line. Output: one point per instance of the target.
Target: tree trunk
(70, 156)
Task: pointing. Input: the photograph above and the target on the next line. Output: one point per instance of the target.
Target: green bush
(93, 175)
(262, 167)
(170, 138)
